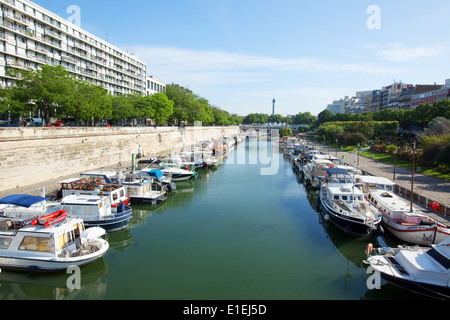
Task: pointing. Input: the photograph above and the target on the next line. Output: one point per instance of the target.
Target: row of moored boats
(43, 234)
(362, 205)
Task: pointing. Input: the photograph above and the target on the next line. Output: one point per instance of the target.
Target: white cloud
(401, 53)
(175, 64)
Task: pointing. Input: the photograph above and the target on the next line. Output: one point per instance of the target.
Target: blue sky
(239, 54)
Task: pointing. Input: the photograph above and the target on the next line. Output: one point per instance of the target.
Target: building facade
(430, 97)
(154, 85)
(31, 36)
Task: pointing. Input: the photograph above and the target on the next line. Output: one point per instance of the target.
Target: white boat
(314, 171)
(142, 189)
(106, 183)
(37, 245)
(344, 205)
(176, 174)
(158, 176)
(93, 209)
(421, 270)
(414, 227)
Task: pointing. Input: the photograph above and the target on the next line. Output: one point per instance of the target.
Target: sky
(239, 55)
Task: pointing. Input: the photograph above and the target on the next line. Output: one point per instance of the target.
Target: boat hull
(416, 233)
(119, 221)
(349, 225)
(146, 200)
(426, 289)
(50, 264)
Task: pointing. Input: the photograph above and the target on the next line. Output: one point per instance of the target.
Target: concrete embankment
(34, 156)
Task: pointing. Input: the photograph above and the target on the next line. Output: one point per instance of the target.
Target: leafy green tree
(122, 108)
(183, 100)
(325, 116)
(44, 89)
(86, 101)
(221, 117)
(275, 118)
(162, 107)
(304, 118)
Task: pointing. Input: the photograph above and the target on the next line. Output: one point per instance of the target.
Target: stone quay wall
(29, 156)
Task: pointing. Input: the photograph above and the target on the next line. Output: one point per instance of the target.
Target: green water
(232, 234)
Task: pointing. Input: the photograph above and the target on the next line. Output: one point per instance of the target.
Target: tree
(221, 117)
(304, 118)
(86, 101)
(275, 118)
(162, 107)
(44, 89)
(183, 100)
(122, 108)
(324, 116)
(438, 126)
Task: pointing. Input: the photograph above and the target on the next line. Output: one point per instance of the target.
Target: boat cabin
(96, 183)
(340, 187)
(22, 235)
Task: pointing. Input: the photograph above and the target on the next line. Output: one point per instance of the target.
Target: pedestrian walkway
(434, 189)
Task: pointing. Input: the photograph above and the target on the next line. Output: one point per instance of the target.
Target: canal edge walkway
(430, 189)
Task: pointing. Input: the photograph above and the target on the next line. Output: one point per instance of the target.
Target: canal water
(247, 230)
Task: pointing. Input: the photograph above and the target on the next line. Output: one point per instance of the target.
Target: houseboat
(344, 205)
(412, 226)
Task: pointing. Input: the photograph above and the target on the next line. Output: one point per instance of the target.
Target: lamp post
(336, 146)
(358, 153)
(412, 178)
(395, 161)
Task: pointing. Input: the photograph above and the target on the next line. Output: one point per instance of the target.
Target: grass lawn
(387, 158)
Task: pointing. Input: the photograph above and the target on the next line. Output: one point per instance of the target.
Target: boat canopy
(155, 173)
(22, 200)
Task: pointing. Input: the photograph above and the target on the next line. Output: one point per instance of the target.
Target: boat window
(115, 196)
(66, 239)
(442, 260)
(39, 244)
(344, 198)
(336, 197)
(389, 188)
(5, 242)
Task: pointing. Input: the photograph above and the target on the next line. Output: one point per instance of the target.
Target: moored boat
(421, 270)
(30, 244)
(94, 210)
(412, 226)
(143, 189)
(314, 171)
(344, 205)
(176, 174)
(105, 183)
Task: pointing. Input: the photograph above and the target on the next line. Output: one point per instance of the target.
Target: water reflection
(18, 285)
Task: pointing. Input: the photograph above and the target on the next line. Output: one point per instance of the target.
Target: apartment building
(154, 85)
(31, 36)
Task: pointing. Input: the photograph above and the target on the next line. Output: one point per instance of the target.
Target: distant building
(430, 97)
(154, 86)
(406, 96)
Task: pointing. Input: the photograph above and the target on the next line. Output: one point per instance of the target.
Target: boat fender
(369, 249)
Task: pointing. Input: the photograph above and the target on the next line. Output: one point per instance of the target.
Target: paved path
(430, 187)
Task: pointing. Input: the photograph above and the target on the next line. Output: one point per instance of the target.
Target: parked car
(10, 124)
(57, 123)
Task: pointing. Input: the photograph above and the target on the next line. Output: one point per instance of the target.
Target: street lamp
(336, 146)
(395, 161)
